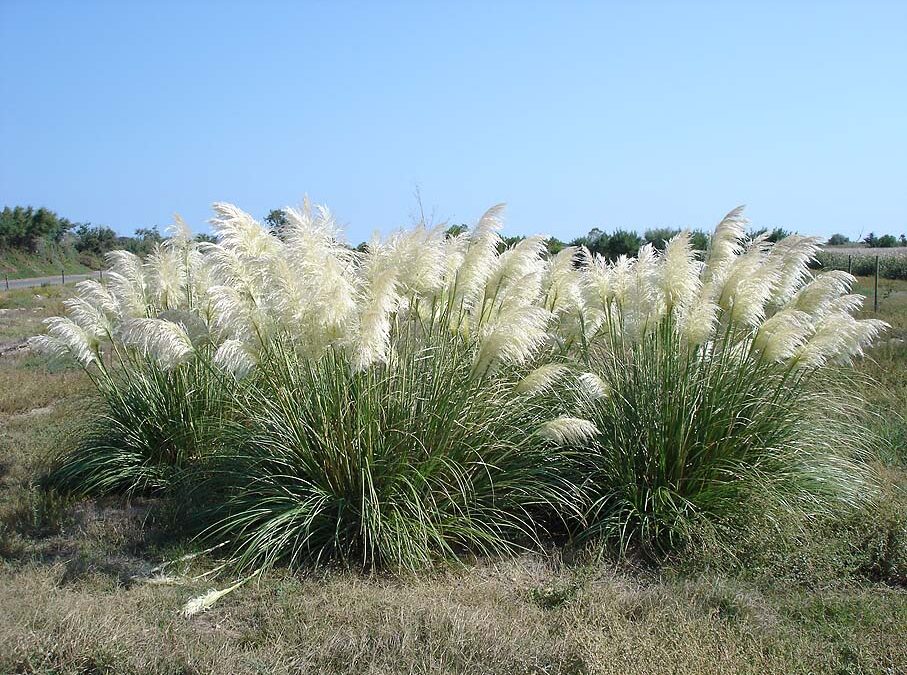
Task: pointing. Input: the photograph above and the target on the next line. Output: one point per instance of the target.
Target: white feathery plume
(512, 337)
(315, 289)
(204, 602)
(591, 386)
(240, 232)
(200, 279)
(848, 303)
(525, 291)
(65, 339)
(724, 246)
(479, 258)
(241, 315)
(195, 325)
(89, 317)
(179, 233)
(781, 336)
(748, 284)
(563, 282)
(371, 340)
(126, 282)
(642, 305)
(48, 346)
(838, 337)
(233, 357)
(454, 248)
(517, 263)
(816, 297)
(679, 273)
(791, 257)
(697, 321)
(565, 292)
(542, 378)
(164, 341)
(598, 278)
(167, 276)
(568, 430)
(96, 294)
(621, 279)
(420, 254)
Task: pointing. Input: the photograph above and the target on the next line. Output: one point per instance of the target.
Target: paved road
(44, 281)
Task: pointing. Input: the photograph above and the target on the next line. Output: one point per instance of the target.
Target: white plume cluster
(303, 284)
(748, 294)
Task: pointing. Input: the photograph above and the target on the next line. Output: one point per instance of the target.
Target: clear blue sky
(577, 115)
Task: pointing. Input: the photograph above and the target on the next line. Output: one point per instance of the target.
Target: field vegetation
(443, 453)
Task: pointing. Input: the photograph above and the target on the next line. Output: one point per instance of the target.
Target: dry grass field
(97, 586)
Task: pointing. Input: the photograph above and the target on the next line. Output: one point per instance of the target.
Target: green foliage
(659, 236)
(610, 246)
(887, 241)
(276, 219)
(774, 235)
(456, 230)
(554, 245)
(96, 240)
(699, 240)
(145, 429)
(838, 240)
(397, 465)
(694, 446)
(25, 227)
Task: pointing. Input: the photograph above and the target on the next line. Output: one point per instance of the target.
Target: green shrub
(397, 465)
(146, 428)
(708, 393)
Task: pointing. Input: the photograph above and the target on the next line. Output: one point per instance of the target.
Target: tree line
(41, 231)
(871, 240)
(38, 230)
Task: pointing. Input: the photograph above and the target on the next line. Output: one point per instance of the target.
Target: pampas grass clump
(435, 395)
(712, 390)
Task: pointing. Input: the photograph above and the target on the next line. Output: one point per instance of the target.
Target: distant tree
(25, 227)
(838, 240)
(509, 242)
(699, 240)
(205, 238)
(455, 230)
(902, 240)
(554, 245)
(622, 242)
(871, 240)
(596, 241)
(610, 246)
(887, 241)
(659, 236)
(276, 219)
(774, 235)
(150, 234)
(95, 239)
(143, 242)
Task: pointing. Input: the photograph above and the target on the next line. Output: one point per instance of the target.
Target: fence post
(850, 264)
(875, 296)
(6, 277)
(63, 276)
